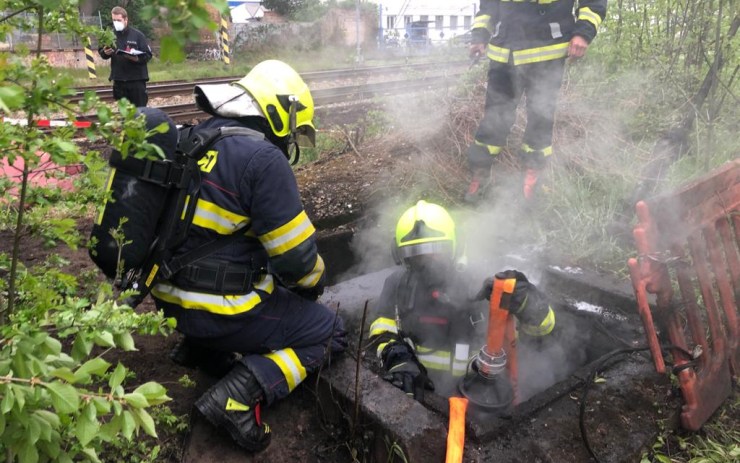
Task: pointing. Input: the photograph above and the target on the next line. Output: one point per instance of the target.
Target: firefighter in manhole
(430, 319)
(256, 295)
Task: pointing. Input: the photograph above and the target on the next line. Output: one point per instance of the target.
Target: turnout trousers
(540, 84)
(290, 339)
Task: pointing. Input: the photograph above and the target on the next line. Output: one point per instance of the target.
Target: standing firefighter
(527, 43)
(426, 319)
(256, 296)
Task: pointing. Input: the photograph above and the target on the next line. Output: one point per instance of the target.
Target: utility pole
(358, 53)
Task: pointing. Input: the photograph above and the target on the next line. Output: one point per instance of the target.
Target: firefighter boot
(479, 184)
(189, 354)
(530, 183)
(234, 404)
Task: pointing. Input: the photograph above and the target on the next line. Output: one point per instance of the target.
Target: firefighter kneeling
(255, 296)
(426, 318)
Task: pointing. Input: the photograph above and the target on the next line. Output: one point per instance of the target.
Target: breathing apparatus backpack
(157, 198)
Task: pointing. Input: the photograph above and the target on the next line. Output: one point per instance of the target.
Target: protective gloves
(404, 370)
(521, 290)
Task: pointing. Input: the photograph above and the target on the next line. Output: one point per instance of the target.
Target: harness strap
(218, 278)
(166, 173)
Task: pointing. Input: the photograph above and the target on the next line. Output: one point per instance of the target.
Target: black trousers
(540, 83)
(133, 90)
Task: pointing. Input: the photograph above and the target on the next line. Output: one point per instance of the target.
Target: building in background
(244, 11)
(425, 21)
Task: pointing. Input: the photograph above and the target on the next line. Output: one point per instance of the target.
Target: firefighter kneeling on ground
(426, 318)
(256, 296)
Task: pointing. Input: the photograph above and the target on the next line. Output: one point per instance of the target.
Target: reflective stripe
(459, 368)
(112, 174)
(439, 360)
(481, 21)
(462, 352)
(545, 327)
(420, 249)
(381, 346)
(313, 277)
(228, 304)
(383, 325)
(232, 404)
(288, 236)
(498, 54)
(493, 150)
(213, 217)
(546, 151)
(536, 55)
(587, 14)
(289, 365)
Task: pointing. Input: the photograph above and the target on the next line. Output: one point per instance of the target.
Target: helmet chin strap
(294, 151)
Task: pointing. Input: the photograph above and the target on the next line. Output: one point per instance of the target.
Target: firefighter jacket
(531, 31)
(444, 325)
(247, 186)
(122, 68)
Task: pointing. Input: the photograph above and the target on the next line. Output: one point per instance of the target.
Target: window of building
(467, 22)
(438, 22)
(453, 23)
(390, 22)
(407, 19)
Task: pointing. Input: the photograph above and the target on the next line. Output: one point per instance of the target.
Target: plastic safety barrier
(688, 247)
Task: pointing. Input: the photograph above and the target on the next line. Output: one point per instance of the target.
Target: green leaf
(63, 373)
(86, 429)
(102, 406)
(125, 341)
(128, 424)
(49, 417)
(96, 366)
(64, 397)
(11, 97)
(8, 401)
(662, 458)
(53, 345)
(155, 393)
(171, 50)
(91, 454)
(81, 347)
(145, 421)
(105, 339)
(119, 374)
(136, 400)
(28, 453)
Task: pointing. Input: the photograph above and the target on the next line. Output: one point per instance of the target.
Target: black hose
(599, 364)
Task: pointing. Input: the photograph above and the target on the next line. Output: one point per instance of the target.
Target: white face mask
(118, 26)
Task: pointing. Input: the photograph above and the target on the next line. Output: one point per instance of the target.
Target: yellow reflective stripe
(481, 21)
(313, 277)
(108, 184)
(587, 14)
(213, 217)
(288, 236)
(424, 349)
(459, 368)
(493, 150)
(545, 327)
(381, 346)
(229, 304)
(232, 404)
(439, 360)
(289, 365)
(383, 325)
(536, 55)
(498, 54)
(546, 151)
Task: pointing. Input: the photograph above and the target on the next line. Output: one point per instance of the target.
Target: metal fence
(28, 37)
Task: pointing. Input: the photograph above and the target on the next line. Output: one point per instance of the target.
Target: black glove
(312, 294)
(404, 370)
(522, 288)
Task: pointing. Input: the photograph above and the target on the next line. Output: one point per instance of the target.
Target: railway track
(182, 87)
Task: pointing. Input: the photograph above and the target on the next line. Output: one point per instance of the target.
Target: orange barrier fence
(688, 247)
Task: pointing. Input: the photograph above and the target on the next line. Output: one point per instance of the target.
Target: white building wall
(456, 17)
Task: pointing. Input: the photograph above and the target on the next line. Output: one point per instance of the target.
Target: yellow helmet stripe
(290, 366)
(288, 236)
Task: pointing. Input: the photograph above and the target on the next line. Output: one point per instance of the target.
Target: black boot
(189, 354)
(234, 404)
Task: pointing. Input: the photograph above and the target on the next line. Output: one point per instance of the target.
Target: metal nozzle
(490, 365)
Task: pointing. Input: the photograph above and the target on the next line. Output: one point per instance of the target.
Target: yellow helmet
(284, 99)
(425, 228)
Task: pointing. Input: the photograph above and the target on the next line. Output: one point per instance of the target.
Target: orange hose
(456, 433)
(497, 316)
